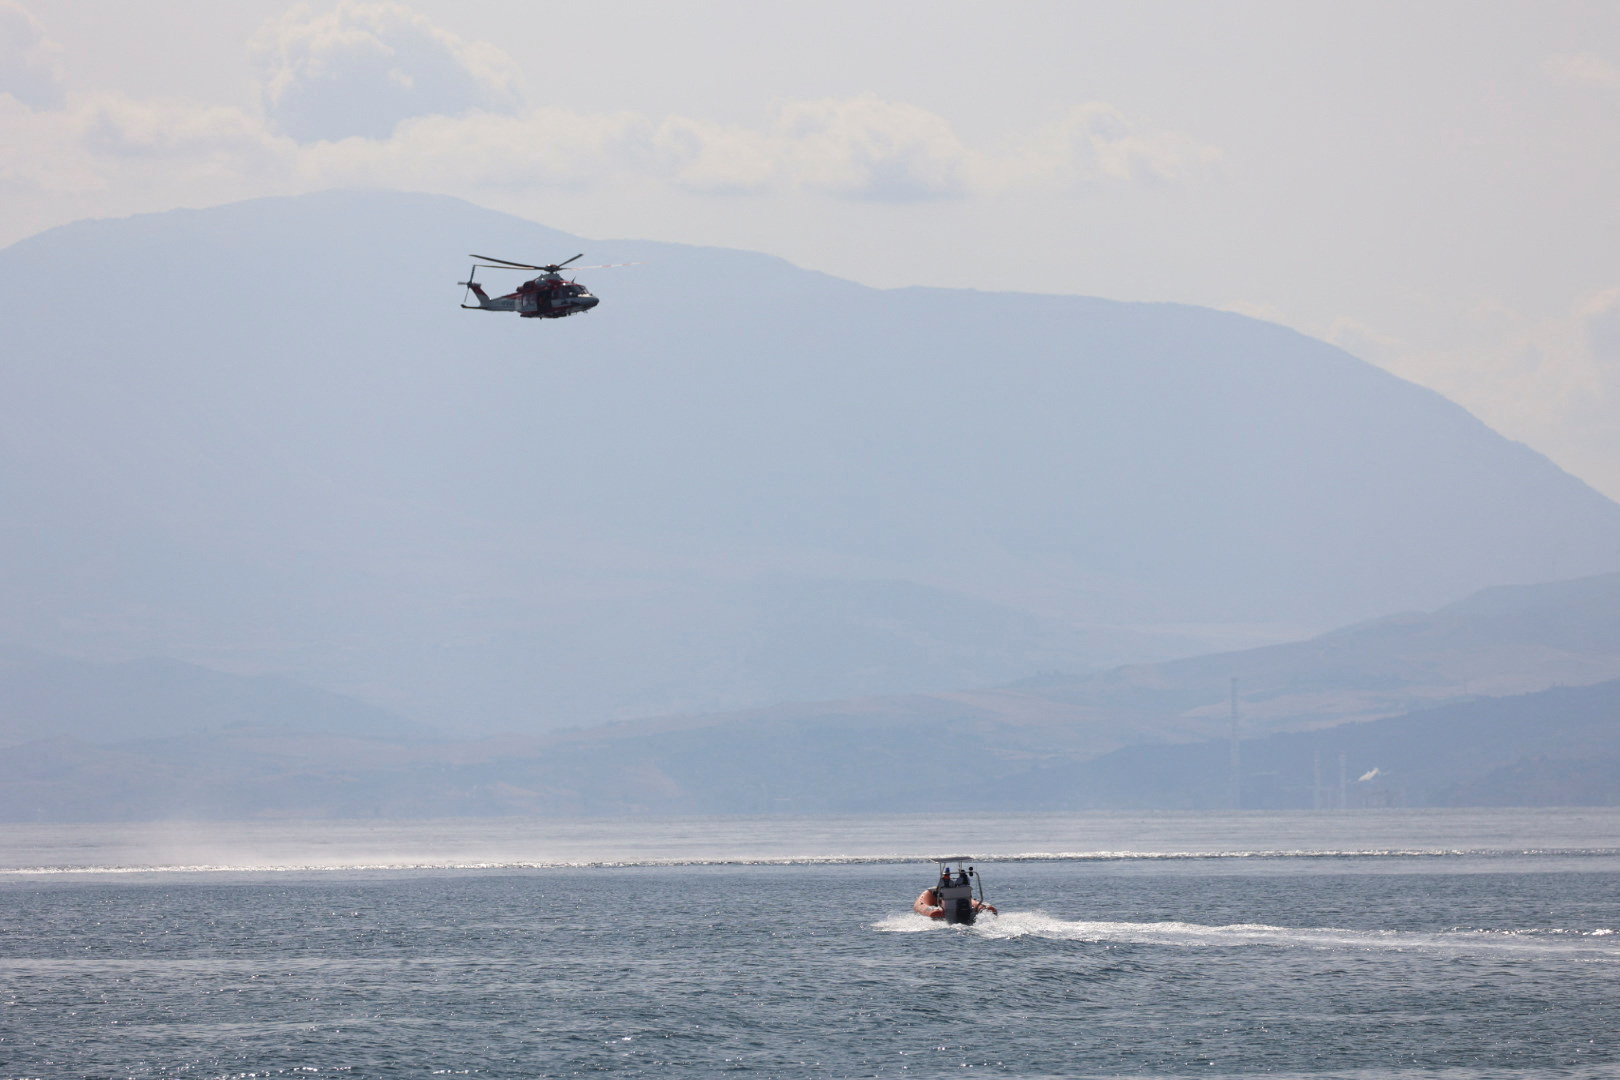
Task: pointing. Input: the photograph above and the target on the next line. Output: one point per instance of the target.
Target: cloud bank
(361, 68)
(375, 94)
(30, 70)
(1585, 69)
(861, 148)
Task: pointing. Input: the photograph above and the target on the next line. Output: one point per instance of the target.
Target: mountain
(45, 696)
(1315, 717)
(263, 438)
(1501, 641)
(1557, 747)
(129, 740)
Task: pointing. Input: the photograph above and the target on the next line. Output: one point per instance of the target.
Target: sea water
(1365, 945)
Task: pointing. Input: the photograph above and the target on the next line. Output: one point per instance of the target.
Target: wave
(1599, 943)
(407, 864)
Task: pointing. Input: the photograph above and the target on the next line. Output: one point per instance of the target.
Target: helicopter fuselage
(548, 296)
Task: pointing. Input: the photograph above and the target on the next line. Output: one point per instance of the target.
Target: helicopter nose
(587, 302)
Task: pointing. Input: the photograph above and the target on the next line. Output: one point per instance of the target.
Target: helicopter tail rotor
(471, 286)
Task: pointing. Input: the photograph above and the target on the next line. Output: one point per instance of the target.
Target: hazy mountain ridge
(1502, 641)
(274, 444)
(1135, 737)
(45, 696)
(1556, 747)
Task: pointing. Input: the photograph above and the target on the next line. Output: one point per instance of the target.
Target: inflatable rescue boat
(951, 899)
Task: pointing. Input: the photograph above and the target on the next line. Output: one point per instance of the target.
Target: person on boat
(928, 904)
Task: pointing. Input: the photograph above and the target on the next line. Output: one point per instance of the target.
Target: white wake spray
(1601, 943)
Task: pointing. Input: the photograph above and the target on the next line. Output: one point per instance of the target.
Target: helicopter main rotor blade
(604, 266)
(565, 262)
(506, 262)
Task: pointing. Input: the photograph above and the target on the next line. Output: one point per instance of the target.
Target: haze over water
(473, 843)
(1362, 944)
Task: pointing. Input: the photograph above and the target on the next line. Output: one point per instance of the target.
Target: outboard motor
(955, 892)
(957, 899)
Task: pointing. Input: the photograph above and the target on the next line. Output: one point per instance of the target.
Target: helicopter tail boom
(486, 302)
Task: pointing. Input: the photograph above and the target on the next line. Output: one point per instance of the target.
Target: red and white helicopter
(545, 297)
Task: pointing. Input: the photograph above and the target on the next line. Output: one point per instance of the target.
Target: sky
(1431, 186)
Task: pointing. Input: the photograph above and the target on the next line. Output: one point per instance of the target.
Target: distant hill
(1144, 736)
(45, 696)
(263, 437)
(1503, 640)
(1558, 747)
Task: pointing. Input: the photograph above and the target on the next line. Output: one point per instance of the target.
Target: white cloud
(544, 148)
(716, 158)
(862, 148)
(1586, 69)
(30, 70)
(855, 148)
(109, 140)
(374, 94)
(43, 152)
(361, 68)
(865, 147)
(858, 149)
(1096, 143)
(179, 131)
(1599, 316)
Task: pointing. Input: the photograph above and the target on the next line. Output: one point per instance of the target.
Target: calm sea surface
(1448, 944)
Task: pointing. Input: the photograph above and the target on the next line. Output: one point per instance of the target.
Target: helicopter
(545, 297)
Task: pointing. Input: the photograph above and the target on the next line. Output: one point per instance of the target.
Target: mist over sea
(521, 843)
(1374, 944)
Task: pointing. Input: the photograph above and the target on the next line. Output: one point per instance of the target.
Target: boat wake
(1599, 944)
